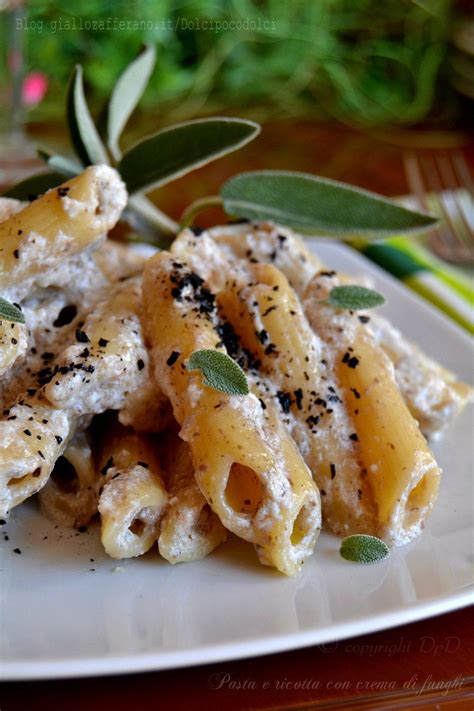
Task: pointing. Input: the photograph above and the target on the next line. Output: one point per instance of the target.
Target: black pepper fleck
(109, 463)
(81, 336)
(65, 316)
(272, 308)
(285, 401)
(173, 358)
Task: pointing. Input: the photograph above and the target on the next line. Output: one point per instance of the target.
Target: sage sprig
(220, 371)
(63, 165)
(10, 312)
(126, 95)
(83, 133)
(154, 161)
(354, 297)
(308, 203)
(362, 548)
(311, 204)
(181, 149)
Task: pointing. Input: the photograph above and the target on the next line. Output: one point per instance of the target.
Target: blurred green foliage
(360, 61)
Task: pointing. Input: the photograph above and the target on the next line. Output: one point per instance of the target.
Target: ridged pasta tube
(246, 465)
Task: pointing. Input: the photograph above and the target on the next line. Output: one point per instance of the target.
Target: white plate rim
(199, 656)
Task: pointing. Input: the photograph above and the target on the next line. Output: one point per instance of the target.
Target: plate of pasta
(187, 435)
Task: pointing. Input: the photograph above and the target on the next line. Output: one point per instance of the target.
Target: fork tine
(436, 175)
(448, 242)
(416, 183)
(463, 171)
(415, 180)
(442, 239)
(454, 210)
(463, 174)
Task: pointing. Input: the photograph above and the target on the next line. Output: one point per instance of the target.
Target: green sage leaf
(312, 204)
(31, 188)
(150, 223)
(126, 95)
(179, 149)
(220, 371)
(84, 135)
(354, 297)
(10, 312)
(361, 548)
(66, 166)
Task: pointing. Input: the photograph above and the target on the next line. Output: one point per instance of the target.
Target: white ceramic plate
(62, 614)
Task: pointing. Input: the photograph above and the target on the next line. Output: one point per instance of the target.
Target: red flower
(35, 86)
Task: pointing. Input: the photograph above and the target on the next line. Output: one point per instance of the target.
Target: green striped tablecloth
(449, 288)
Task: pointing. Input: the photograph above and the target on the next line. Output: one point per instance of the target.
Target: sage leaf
(36, 185)
(151, 224)
(10, 312)
(220, 371)
(44, 155)
(126, 95)
(312, 204)
(179, 149)
(66, 166)
(354, 297)
(84, 135)
(361, 548)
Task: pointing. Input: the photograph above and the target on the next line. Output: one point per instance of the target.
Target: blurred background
(378, 94)
(360, 62)
(370, 66)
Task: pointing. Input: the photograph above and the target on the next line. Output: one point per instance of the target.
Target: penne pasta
(59, 224)
(190, 529)
(433, 395)
(108, 363)
(273, 327)
(118, 261)
(9, 207)
(240, 244)
(401, 472)
(246, 466)
(52, 316)
(133, 498)
(104, 369)
(32, 437)
(103, 411)
(69, 498)
(272, 324)
(13, 344)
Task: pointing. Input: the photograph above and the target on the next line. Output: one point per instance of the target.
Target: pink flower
(35, 86)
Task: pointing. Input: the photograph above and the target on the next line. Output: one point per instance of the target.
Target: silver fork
(442, 183)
